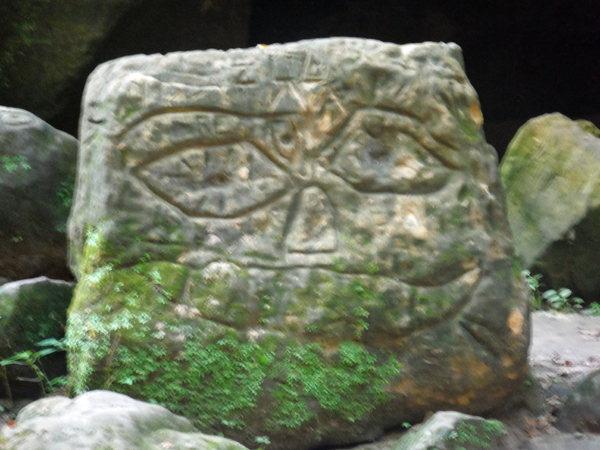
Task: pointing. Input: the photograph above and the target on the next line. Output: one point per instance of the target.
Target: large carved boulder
(550, 173)
(302, 242)
(37, 173)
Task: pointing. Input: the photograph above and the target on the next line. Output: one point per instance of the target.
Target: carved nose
(313, 227)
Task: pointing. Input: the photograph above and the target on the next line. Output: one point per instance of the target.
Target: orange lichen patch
(512, 376)
(426, 396)
(405, 387)
(507, 361)
(468, 265)
(476, 216)
(475, 114)
(464, 399)
(476, 369)
(495, 251)
(515, 322)
(329, 347)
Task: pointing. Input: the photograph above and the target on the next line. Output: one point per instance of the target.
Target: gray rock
(450, 430)
(550, 173)
(107, 420)
(37, 174)
(31, 311)
(307, 239)
(581, 411)
(575, 441)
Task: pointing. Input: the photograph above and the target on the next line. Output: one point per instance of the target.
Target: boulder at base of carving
(104, 420)
(303, 244)
(550, 173)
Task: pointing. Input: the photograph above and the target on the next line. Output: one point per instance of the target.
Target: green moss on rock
(130, 337)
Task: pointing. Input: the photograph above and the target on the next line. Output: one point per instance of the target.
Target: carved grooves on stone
(484, 338)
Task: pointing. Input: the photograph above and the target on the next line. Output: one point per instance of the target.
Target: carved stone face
(333, 191)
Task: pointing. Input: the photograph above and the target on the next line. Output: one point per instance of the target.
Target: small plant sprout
(594, 309)
(263, 441)
(32, 360)
(533, 281)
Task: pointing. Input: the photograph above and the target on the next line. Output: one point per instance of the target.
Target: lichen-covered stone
(37, 172)
(104, 420)
(550, 173)
(304, 243)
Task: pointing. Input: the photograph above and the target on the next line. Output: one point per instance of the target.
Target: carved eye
(378, 153)
(215, 181)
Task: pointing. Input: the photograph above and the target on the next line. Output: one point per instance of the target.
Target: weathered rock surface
(551, 176)
(31, 311)
(449, 430)
(567, 441)
(305, 241)
(107, 420)
(37, 173)
(581, 411)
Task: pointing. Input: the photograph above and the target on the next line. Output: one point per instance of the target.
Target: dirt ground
(564, 349)
(564, 346)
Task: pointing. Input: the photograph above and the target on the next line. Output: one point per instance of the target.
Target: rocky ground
(565, 348)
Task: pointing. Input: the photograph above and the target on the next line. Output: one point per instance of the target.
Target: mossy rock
(449, 430)
(553, 196)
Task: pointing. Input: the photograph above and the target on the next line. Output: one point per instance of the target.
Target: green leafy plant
(557, 299)
(32, 360)
(594, 309)
(263, 441)
(533, 281)
(561, 299)
(9, 164)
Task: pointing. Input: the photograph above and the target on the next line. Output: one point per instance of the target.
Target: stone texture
(107, 420)
(581, 411)
(551, 175)
(31, 311)
(450, 430)
(37, 174)
(576, 441)
(303, 241)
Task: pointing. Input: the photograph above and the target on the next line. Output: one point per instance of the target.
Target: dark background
(524, 58)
